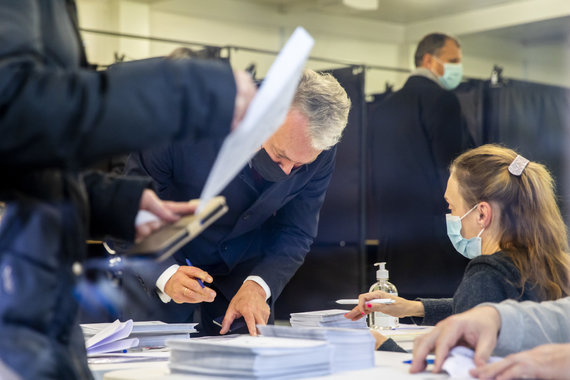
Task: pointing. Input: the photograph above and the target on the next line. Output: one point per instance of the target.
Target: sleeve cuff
(162, 280)
(510, 334)
(261, 283)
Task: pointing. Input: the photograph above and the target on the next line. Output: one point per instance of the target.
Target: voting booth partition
(531, 118)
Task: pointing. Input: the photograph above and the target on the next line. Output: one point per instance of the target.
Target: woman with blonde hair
(503, 216)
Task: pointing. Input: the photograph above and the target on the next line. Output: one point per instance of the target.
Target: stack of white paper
(247, 357)
(353, 349)
(118, 336)
(326, 318)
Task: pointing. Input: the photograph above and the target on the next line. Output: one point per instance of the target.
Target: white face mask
(469, 248)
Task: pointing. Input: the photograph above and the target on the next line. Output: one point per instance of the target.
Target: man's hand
(249, 303)
(165, 211)
(477, 328)
(549, 361)
(401, 308)
(245, 91)
(182, 287)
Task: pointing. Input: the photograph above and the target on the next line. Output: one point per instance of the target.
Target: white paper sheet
(264, 116)
(460, 361)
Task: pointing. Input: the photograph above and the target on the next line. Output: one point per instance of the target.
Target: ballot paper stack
(248, 357)
(326, 318)
(353, 349)
(101, 338)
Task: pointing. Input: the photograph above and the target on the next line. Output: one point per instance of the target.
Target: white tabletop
(388, 366)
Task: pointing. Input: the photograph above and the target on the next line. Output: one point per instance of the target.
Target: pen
(197, 279)
(355, 301)
(428, 361)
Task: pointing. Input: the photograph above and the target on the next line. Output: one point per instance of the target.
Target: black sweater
(487, 278)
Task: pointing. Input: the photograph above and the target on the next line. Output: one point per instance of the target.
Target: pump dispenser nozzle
(382, 272)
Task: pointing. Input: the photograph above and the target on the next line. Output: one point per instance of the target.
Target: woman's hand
(400, 308)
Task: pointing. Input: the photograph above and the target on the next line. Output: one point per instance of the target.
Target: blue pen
(428, 361)
(197, 279)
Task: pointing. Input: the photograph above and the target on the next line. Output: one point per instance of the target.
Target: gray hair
(432, 44)
(322, 99)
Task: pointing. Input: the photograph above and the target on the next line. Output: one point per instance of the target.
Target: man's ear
(427, 61)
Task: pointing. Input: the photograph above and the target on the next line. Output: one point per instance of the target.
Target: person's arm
(435, 309)
(115, 201)
(72, 117)
(528, 324)
(518, 325)
(482, 282)
(292, 232)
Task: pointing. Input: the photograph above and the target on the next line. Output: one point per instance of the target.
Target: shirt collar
(426, 73)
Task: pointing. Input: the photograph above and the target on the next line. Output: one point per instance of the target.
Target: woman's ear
(485, 214)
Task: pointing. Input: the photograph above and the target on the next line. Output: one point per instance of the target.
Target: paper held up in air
(264, 116)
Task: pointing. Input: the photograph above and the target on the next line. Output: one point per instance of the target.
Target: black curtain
(334, 266)
(531, 118)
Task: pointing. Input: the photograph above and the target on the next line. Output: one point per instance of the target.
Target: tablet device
(171, 237)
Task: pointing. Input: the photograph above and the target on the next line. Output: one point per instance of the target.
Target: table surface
(388, 366)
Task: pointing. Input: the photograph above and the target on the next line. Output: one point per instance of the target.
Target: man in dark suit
(418, 132)
(274, 203)
(58, 117)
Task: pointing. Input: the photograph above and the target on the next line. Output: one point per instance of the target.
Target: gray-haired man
(249, 255)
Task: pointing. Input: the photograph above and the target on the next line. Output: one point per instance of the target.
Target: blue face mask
(452, 75)
(469, 248)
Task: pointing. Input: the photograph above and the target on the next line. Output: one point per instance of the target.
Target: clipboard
(171, 237)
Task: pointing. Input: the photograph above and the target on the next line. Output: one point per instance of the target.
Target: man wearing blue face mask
(417, 131)
(255, 248)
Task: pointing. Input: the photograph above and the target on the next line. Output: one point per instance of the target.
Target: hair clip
(517, 166)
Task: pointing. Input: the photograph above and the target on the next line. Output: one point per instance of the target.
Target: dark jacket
(56, 117)
(487, 278)
(266, 232)
(418, 132)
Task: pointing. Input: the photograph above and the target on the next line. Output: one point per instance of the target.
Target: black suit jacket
(418, 132)
(266, 232)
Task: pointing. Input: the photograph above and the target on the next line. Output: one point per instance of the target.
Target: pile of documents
(353, 349)
(248, 357)
(326, 318)
(118, 336)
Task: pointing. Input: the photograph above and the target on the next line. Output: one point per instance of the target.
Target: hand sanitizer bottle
(377, 320)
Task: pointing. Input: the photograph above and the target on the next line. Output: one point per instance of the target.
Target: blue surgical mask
(469, 248)
(452, 75)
